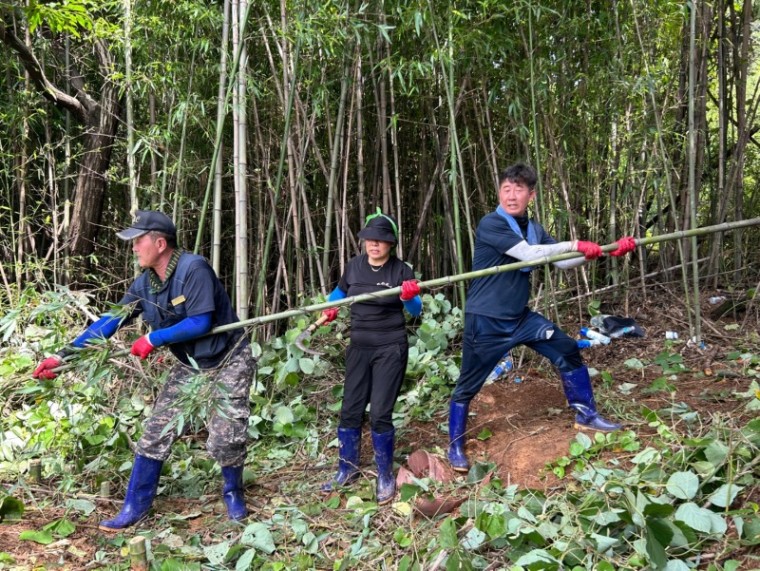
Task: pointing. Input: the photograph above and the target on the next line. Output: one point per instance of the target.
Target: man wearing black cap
(376, 358)
(181, 299)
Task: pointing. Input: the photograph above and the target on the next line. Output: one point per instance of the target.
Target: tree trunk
(100, 120)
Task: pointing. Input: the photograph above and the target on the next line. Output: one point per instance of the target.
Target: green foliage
(69, 16)
(432, 366)
(641, 501)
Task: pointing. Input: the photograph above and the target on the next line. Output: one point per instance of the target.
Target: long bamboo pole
(448, 280)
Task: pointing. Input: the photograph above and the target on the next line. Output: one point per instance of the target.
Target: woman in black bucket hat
(377, 355)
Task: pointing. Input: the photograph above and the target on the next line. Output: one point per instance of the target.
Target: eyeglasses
(379, 213)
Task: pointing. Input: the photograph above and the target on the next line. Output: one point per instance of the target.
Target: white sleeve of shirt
(527, 253)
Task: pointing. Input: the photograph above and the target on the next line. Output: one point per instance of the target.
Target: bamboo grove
(269, 130)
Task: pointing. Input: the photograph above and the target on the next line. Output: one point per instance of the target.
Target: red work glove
(44, 369)
(142, 347)
(625, 244)
(330, 313)
(591, 250)
(409, 290)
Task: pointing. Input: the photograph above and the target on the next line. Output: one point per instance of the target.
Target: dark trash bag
(613, 323)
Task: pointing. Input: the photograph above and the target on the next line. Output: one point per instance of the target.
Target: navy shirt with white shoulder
(379, 321)
(504, 295)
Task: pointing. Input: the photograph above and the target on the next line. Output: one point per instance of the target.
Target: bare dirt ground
(528, 422)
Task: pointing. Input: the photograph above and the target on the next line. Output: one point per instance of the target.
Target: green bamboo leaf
(683, 485)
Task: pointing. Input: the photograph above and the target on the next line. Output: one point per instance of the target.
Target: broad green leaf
(401, 537)
(61, 527)
(658, 510)
(676, 565)
(583, 439)
(683, 485)
(634, 363)
(658, 536)
(448, 534)
(43, 537)
(244, 563)
(646, 456)
(473, 539)
(496, 525)
(258, 535)
(306, 365)
(751, 530)
(402, 508)
(700, 519)
(725, 495)
(485, 434)
(284, 415)
(354, 502)
(217, 553)
(716, 453)
(604, 542)
(605, 518)
(538, 556)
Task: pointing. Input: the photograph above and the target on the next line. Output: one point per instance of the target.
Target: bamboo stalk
(138, 555)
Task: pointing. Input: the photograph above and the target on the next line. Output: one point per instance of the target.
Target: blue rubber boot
(386, 481)
(580, 396)
(233, 492)
(457, 428)
(143, 484)
(349, 440)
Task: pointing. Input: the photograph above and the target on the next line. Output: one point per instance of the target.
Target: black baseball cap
(148, 221)
(381, 227)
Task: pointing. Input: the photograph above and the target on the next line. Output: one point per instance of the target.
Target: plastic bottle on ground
(502, 367)
(586, 343)
(591, 334)
(622, 331)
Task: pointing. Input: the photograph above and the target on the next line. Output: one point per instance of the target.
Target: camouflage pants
(228, 420)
